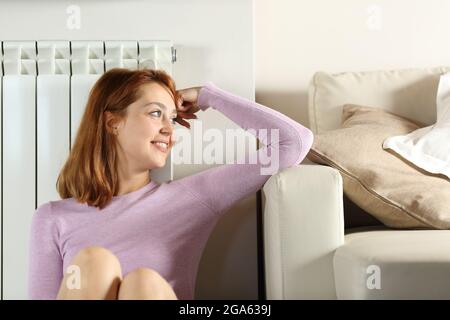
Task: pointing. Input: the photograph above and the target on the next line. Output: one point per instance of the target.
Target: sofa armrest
(303, 226)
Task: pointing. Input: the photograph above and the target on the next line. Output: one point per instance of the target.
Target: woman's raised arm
(286, 143)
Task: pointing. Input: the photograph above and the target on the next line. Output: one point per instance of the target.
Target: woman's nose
(167, 127)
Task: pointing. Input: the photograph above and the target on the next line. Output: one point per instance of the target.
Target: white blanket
(429, 147)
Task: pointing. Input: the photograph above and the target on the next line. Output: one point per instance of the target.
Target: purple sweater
(162, 226)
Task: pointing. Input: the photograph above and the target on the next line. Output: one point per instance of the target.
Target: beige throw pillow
(383, 184)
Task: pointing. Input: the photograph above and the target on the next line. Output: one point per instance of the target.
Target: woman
(117, 234)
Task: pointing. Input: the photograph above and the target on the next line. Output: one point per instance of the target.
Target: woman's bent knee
(145, 283)
(95, 252)
(97, 258)
(97, 272)
(145, 273)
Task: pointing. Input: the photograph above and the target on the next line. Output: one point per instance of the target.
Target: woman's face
(149, 119)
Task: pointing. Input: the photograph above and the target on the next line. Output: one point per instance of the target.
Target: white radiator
(44, 87)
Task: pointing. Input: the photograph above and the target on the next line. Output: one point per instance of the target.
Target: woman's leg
(100, 275)
(145, 284)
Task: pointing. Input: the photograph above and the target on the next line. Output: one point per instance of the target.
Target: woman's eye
(159, 114)
(156, 111)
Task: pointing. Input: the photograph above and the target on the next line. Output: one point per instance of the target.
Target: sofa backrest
(407, 92)
(410, 93)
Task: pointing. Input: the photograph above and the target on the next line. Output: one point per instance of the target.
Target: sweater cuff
(203, 100)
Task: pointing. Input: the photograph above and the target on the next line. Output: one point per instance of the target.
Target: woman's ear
(111, 123)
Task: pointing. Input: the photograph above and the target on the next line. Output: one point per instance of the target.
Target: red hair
(90, 172)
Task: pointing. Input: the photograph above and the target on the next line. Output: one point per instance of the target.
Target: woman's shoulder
(45, 218)
(53, 208)
(43, 215)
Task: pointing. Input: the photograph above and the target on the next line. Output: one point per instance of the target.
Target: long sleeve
(45, 262)
(286, 143)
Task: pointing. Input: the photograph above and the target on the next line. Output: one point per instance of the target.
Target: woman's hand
(187, 105)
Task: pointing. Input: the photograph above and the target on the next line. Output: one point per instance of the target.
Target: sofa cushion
(381, 183)
(429, 147)
(387, 264)
(407, 92)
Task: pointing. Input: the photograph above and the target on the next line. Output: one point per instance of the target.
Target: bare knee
(145, 283)
(99, 273)
(97, 258)
(144, 277)
(148, 274)
(95, 252)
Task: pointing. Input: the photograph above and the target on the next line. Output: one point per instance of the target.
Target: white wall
(295, 38)
(214, 41)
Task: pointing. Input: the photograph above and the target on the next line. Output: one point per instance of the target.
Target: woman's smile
(161, 146)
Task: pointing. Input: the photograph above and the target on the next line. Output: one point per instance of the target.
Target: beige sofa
(314, 249)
